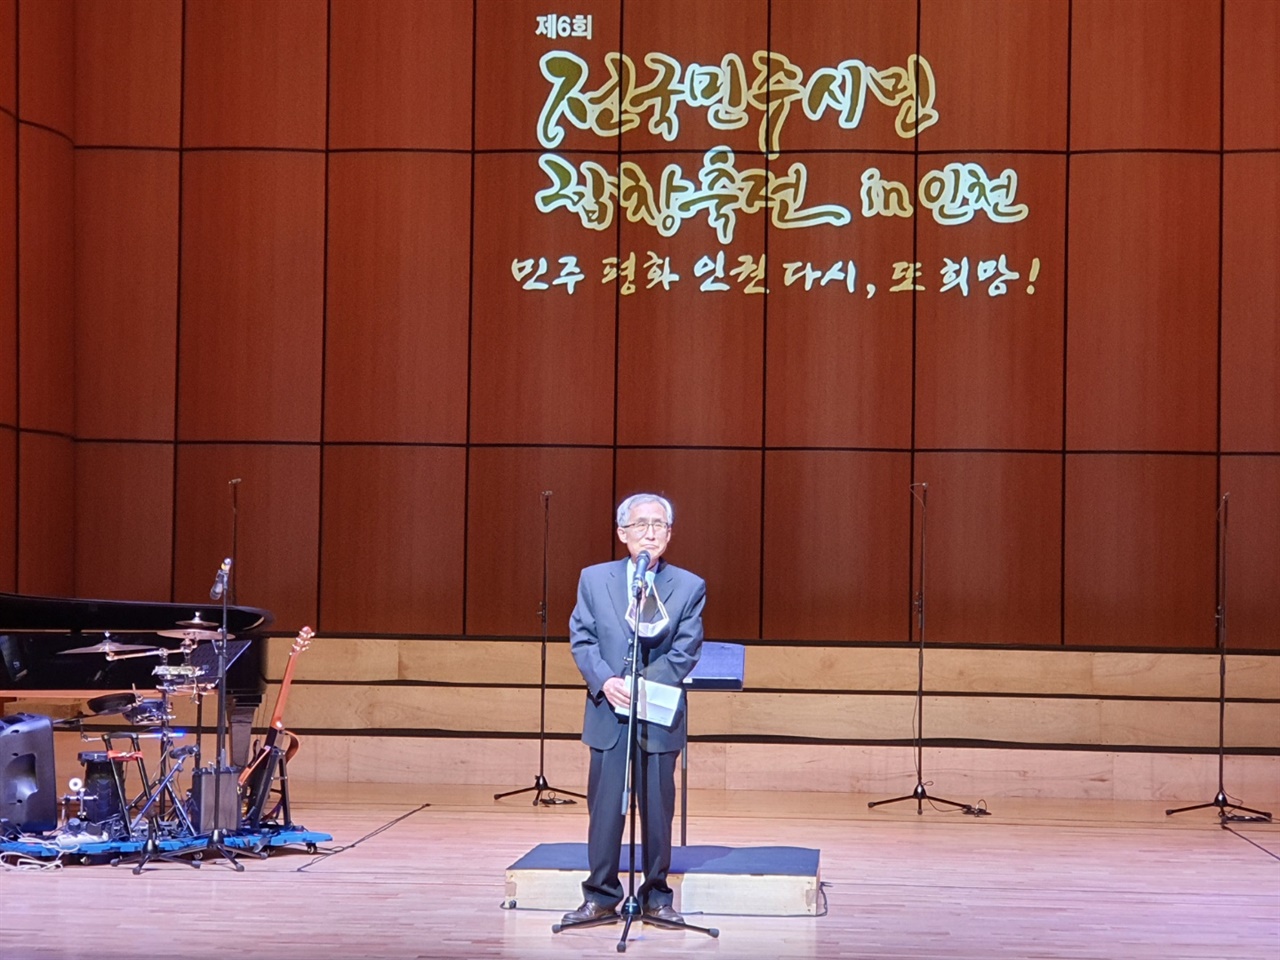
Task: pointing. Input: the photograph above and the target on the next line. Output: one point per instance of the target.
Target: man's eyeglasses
(642, 526)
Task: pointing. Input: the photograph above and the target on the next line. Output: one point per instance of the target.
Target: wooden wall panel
(124, 521)
(836, 539)
(542, 360)
(1251, 302)
(690, 360)
(46, 280)
(254, 74)
(810, 667)
(1003, 66)
(392, 539)
(9, 56)
(8, 268)
(1139, 550)
(510, 89)
(1253, 552)
(824, 33)
(279, 526)
(506, 518)
(993, 567)
(252, 297)
(1147, 76)
(838, 361)
(397, 327)
(1143, 302)
(679, 30)
(46, 64)
(716, 495)
(1251, 46)
(46, 542)
(989, 368)
(128, 72)
(8, 508)
(400, 74)
(126, 261)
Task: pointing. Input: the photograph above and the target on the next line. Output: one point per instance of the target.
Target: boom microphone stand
(920, 794)
(540, 785)
(631, 911)
(1220, 801)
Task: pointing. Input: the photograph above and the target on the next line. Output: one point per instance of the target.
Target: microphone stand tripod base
(629, 914)
(540, 786)
(1224, 805)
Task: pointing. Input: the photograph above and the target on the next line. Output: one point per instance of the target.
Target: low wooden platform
(759, 881)
(420, 872)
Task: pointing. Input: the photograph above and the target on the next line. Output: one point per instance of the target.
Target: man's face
(646, 529)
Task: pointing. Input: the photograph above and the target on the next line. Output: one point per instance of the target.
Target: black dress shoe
(590, 910)
(664, 911)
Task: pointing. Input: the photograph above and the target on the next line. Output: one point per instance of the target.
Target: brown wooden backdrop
(272, 241)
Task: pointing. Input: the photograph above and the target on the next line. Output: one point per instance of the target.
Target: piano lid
(31, 614)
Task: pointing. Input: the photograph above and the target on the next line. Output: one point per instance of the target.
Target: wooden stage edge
(419, 871)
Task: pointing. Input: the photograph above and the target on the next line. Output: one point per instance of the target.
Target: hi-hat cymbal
(193, 634)
(110, 646)
(197, 623)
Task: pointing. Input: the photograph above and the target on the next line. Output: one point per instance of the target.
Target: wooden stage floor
(1038, 879)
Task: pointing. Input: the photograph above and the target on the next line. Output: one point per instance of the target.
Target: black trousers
(655, 789)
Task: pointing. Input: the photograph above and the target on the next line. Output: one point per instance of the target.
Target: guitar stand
(260, 790)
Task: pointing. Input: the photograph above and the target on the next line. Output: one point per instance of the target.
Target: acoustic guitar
(278, 738)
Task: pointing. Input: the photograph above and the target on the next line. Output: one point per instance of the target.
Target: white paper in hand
(658, 703)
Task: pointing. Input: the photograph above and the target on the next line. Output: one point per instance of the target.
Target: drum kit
(119, 798)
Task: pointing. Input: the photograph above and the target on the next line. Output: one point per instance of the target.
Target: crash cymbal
(193, 634)
(109, 646)
(196, 623)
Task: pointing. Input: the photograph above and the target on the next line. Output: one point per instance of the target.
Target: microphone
(642, 567)
(220, 581)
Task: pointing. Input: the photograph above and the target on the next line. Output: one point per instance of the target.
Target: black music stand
(722, 666)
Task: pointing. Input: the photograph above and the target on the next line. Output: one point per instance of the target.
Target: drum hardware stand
(1227, 811)
(920, 794)
(540, 785)
(151, 850)
(631, 911)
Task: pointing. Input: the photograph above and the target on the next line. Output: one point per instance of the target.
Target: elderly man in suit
(600, 634)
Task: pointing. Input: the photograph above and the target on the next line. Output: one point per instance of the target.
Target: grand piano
(36, 632)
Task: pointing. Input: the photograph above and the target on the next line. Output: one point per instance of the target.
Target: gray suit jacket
(599, 639)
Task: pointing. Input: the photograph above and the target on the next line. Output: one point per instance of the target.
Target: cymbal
(110, 646)
(111, 703)
(194, 634)
(196, 623)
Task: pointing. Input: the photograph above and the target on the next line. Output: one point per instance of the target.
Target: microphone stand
(630, 910)
(217, 838)
(920, 794)
(1220, 800)
(540, 785)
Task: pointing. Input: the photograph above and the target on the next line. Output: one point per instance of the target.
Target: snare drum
(149, 713)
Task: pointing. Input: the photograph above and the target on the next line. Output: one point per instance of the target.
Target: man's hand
(618, 692)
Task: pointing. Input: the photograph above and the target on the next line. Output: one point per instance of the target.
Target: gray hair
(636, 499)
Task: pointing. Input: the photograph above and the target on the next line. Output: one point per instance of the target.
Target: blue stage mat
(86, 846)
(777, 861)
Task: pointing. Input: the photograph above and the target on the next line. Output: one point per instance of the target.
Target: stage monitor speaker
(28, 776)
(202, 791)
